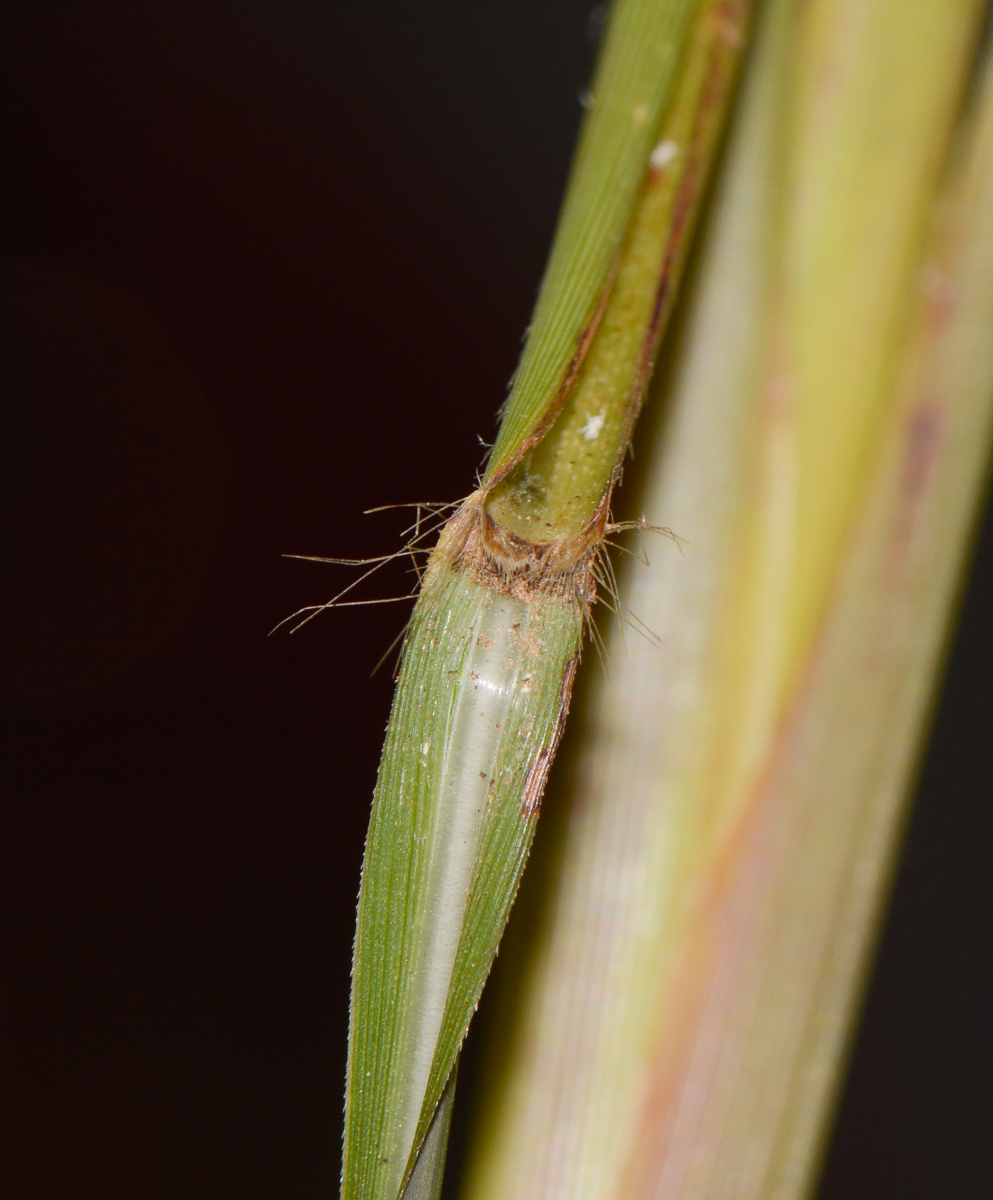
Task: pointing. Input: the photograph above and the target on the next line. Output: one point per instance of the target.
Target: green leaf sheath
(484, 683)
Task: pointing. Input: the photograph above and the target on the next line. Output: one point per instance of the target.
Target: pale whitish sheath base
(487, 690)
(480, 703)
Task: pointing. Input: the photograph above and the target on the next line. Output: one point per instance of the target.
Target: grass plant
(676, 1018)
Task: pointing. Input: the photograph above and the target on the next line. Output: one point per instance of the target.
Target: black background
(254, 256)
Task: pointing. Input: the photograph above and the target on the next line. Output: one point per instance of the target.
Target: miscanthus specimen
(676, 1010)
(493, 644)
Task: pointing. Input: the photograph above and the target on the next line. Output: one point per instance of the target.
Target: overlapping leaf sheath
(482, 695)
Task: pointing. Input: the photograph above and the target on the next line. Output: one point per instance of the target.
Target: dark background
(252, 257)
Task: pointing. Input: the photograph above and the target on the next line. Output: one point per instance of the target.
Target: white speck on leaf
(663, 154)
(594, 423)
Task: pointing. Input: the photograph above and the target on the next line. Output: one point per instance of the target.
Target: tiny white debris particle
(663, 154)
(594, 423)
(586, 98)
(639, 114)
